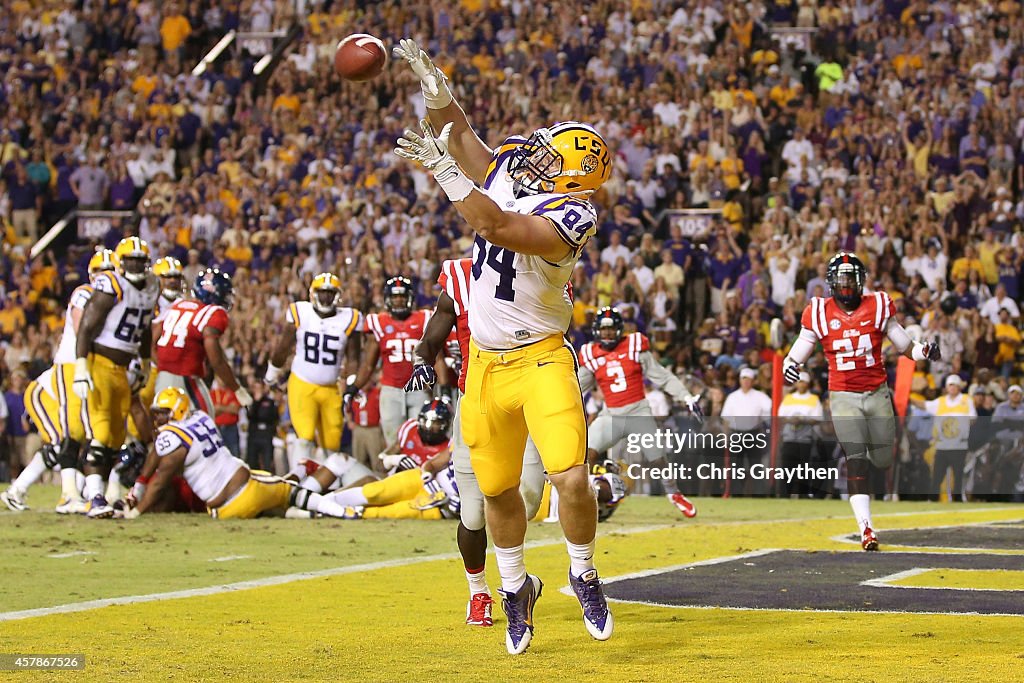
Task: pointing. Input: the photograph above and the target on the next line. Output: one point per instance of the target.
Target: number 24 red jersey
(852, 341)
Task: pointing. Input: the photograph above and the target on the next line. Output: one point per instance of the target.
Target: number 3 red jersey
(180, 350)
(852, 341)
(397, 340)
(618, 372)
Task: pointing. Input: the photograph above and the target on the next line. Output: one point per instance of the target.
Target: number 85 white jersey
(320, 342)
(517, 299)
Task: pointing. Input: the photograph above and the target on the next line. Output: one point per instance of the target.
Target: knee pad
(100, 456)
(67, 457)
(50, 456)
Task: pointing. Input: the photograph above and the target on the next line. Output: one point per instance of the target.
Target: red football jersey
(397, 340)
(366, 408)
(852, 341)
(411, 445)
(454, 280)
(618, 372)
(179, 350)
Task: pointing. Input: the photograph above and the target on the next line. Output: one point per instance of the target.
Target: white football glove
(431, 151)
(433, 83)
(83, 379)
(131, 513)
(791, 372)
(390, 460)
(244, 397)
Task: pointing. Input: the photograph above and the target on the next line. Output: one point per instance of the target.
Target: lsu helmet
(172, 277)
(104, 259)
(133, 258)
(325, 293)
(214, 287)
(845, 277)
(567, 158)
(607, 327)
(610, 489)
(435, 421)
(398, 296)
(173, 400)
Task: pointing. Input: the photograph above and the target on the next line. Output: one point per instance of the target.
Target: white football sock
(512, 567)
(477, 582)
(114, 489)
(581, 557)
(29, 475)
(861, 504)
(300, 450)
(351, 497)
(325, 505)
(93, 485)
(69, 483)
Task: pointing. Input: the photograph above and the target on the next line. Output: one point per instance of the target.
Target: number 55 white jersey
(320, 342)
(516, 299)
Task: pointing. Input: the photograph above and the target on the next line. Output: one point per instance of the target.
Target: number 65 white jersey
(320, 342)
(518, 299)
(131, 315)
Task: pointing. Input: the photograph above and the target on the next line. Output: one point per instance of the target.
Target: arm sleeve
(898, 336)
(802, 347)
(663, 378)
(588, 382)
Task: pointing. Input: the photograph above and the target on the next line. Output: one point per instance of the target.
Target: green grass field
(385, 601)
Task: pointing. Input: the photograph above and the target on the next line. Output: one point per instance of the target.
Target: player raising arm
(851, 329)
(528, 203)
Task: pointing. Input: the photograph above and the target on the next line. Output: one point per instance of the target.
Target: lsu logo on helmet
(567, 158)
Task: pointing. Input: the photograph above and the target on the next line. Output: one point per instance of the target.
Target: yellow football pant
(263, 492)
(108, 402)
(74, 417)
(146, 396)
(512, 394)
(44, 412)
(315, 409)
(395, 497)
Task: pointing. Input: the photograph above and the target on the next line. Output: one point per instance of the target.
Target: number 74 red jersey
(852, 341)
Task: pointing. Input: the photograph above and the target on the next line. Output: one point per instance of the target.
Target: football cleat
(518, 608)
(596, 616)
(13, 500)
(99, 508)
(478, 611)
(683, 504)
(72, 506)
(868, 540)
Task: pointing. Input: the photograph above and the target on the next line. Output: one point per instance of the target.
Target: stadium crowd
(895, 131)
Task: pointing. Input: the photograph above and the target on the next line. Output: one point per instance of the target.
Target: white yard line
(74, 553)
(385, 564)
(230, 558)
(889, 581)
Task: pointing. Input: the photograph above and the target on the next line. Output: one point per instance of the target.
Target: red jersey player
(190, 338)
(851, 328)
(619, 365)
(396, 333)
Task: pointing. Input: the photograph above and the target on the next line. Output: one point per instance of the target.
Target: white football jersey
(209, 465)
(516, 299)
(45, 380)
(320, 342)
(131, 315)
(66, 348)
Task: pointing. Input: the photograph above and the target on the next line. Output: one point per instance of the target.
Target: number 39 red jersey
(397, 340)
(179, 349)
(618, 372)
(852, 341)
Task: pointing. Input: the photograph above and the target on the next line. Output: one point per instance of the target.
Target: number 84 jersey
(852, 341)
(518, 299)
(320, 342)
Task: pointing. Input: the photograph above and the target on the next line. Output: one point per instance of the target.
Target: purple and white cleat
(518, 608)
(596, 616)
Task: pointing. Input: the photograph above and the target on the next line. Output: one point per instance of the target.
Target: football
(360, 57)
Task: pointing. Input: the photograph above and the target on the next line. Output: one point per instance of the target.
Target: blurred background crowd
(893, 129)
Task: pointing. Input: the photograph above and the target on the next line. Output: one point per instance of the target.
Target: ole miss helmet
(398, 296)
(435, 421)
(214, 287)
(607, 327)
(845, 277)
